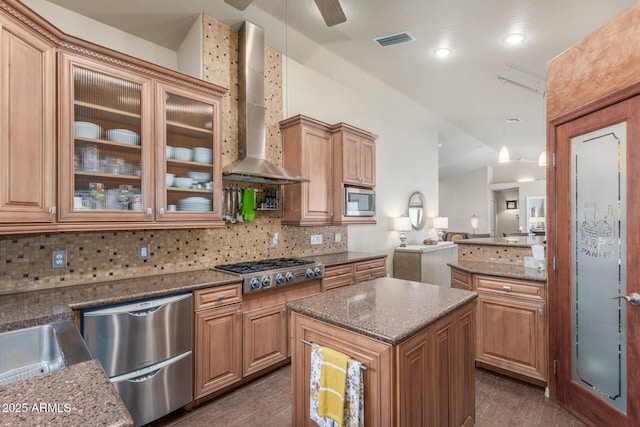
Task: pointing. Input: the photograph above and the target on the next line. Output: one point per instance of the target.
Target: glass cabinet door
(105, 159)
(188, 161)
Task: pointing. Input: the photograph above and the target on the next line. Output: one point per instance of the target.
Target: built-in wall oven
(145, 348)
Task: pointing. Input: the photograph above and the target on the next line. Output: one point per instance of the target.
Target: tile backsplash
(25, 260)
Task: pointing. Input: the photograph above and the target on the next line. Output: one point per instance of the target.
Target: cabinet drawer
(365, 266)
(523, 289)
(371, 274)
(338, 276)
(218, 296)
(460, 279)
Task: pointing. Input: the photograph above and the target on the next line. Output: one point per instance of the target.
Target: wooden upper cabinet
(187, 122)
(307, 148)
(27, 124)
(106, 142)
(134, 148)
(355, 150)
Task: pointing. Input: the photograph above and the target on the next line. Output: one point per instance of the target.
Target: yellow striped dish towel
(333, 381)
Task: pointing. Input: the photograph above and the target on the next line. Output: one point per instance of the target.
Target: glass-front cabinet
(106, 143)
(135, 148)
(187, 159)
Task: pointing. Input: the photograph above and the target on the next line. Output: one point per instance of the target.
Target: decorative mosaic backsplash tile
(25, 261)
(497, 254)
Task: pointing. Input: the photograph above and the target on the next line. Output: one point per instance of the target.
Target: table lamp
(440, 223)
(402, 224)
(474, 223)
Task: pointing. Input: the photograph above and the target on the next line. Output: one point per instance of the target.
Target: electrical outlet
(143, 251)
(273, 242)
(337, 238)
(59, 258)
(316, 239)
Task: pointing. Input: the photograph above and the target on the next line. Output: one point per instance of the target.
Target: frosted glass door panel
(599, 263)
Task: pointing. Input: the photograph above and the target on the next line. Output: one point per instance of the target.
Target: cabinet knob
(52, 210)
(221, 297)
(506, 288)
(540, 312)
(161, 211)
(239, 313)
(149, 211)
(284, 311)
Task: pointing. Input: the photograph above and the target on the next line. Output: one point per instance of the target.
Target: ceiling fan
(330, 9)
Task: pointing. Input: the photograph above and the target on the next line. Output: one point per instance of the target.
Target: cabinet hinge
(555, 367)
(555, 265)
(553, 160)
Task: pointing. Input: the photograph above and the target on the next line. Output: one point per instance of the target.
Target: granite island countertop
(389, 310)
(514, 271)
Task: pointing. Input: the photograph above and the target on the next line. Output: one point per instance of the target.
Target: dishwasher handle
(149, 372)
(138, 308)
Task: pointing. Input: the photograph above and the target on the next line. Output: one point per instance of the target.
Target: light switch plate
(316, 239)
(59, 259)
(143, 251)
(337, 238)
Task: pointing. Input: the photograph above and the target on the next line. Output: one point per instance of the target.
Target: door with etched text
(595, 200)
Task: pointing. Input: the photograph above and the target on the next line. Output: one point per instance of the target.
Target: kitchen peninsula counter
(513, 271)
(331, 260)
(415, 339)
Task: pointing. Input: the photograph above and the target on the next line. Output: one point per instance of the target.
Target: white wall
(190, 51)
(462, 196)
(508, 219)
(85, 28)
(406, 148)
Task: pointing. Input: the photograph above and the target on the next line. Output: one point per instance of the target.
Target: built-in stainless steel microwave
(359, 201)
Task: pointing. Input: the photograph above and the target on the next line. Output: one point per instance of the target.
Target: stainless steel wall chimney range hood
(252, 165)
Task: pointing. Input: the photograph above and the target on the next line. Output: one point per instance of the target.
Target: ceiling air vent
(392, 39)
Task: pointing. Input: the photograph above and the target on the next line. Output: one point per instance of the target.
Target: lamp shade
(440, 222)
(402, 223)
(474, 222)
(542, 160)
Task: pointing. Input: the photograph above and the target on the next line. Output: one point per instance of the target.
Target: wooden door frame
(610, 110)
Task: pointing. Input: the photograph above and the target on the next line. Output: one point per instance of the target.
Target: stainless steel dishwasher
(145, 349)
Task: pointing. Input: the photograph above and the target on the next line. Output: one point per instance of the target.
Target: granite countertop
(511, 241)
(330, 260)
(78, 395)
(426, 248)
(25, 309)
(514, 271)
(386, 309)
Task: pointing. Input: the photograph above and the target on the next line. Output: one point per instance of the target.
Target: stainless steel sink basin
(26, 353)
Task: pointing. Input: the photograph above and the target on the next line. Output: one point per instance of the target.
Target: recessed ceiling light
(443, 52)
(514, 38)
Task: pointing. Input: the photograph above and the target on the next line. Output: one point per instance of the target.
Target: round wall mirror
(417, 208)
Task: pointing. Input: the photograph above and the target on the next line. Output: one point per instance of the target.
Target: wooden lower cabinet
(427, 380)
(341, 275)
(218, 349)
(511, 336)
(265, 335)
(337, 276)
(511, 325)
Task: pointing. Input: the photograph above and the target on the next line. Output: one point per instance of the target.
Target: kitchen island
(415, 339)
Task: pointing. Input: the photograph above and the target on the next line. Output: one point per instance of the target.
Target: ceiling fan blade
(331, 12)
(239, 4)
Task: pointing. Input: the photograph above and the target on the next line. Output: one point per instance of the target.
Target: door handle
(633, 298)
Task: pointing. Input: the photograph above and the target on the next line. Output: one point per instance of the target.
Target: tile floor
(500, 402)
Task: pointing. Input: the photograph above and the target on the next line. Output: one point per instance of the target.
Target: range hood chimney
(252, 165)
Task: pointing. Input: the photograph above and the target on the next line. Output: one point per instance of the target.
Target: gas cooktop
(271, 273)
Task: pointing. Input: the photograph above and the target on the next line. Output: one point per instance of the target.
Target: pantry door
(595, 192)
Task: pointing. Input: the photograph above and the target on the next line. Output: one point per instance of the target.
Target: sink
(29, 352)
